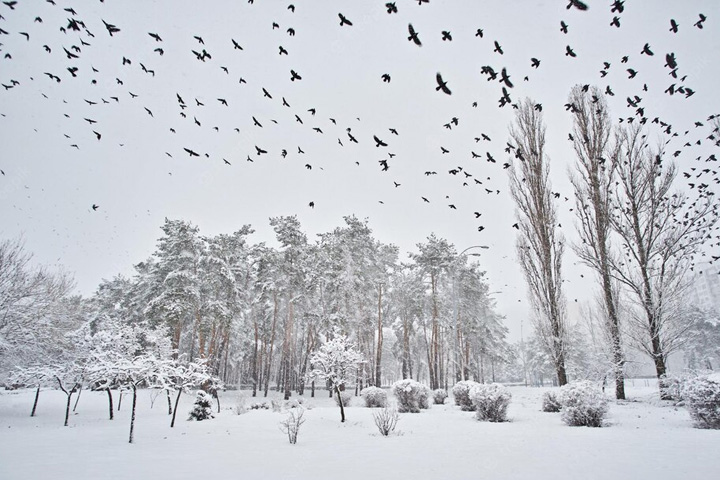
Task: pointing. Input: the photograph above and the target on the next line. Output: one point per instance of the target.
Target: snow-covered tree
(336, 362)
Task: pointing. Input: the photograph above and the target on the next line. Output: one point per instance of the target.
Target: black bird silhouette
(446, 36)
(255, 122)
(311, 204)
(577, 4)
(192, 153)
(534, 62)
(615, 22)
(563, 26)
(291, 31)
(569, 52)
(344, 21)
(646, 50)
(111, 28)
(378, 142)
(442, 85)
(425, 200)
(95, 207)
(199, 39)
(505, 78)
(414, 35)
(155, 36)
(97, 135)
(631, 73)
(673, 26)
(283, 51)
(265, 93)
(617, 6)
(226, 162)
(69, 54)
(385, 77)
(259, 150)
(699, 23)
(391, 7)
(498, 48)
(479, 33)
(90, 120)
(160, 51)
(670, 61)
(294, 76)
(148, 111)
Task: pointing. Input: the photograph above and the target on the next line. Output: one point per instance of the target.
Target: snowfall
(644, 438)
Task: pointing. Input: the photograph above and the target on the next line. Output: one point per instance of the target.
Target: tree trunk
(177, 400)
(110, 402)
(272, 344)
(342, 408)
(132, 415)
(378, 359)
(120, 400)
(77, 399)
(287, 351)
(255, 357)
(37, 395)
(167, 395)
(67, 407)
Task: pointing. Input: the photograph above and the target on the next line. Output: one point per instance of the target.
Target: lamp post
(458, 356)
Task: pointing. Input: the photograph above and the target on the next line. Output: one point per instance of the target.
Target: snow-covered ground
(644, 438)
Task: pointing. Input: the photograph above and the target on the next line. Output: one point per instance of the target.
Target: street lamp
(458, 355)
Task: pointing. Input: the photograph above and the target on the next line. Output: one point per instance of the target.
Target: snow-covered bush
(374, 397)
(439, 396)
(424, 399)
(386, 420)
(490, 401)
(291, 425)
(551, 402)
(583, 404)
(702, 399)
(240, 404)
(411, 395)
(346, 398)
(202, 409)
(259, 406)
(461, 394)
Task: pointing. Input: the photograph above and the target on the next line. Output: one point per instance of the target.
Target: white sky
(49, 187)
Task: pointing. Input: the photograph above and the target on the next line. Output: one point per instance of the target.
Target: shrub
(491, 401)
(386, 420)
(702, 399)
(240, 404)
(346, 398)
(411, 395)
(461, 394)
(439, 396)
(551, 402)
(202, 409)
(374, 397)
(583, 404)
(291, 425)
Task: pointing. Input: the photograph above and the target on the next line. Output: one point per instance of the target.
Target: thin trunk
(378, 359)
(167, 395)
(255, 357)
(132, 415)
(177, 400)
(287, 351)
(77, 399)
(110, 403)
(37, 395)
(120, 400)
(342, 408)
(272, 343)
(67, 407)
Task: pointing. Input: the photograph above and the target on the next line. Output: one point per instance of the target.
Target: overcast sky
(138, 172)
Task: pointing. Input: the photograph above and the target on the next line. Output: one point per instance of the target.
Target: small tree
(133, 374)
(336, 361)
(39, 376)
(179, 376)
(67, 378)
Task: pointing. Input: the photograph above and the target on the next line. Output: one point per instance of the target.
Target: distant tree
(702, 348)
(36, 309)
(593, 180)
(336, 362)
(435, 259)
(540, 246)
(660, 232)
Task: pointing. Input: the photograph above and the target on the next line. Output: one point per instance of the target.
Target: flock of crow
(73, 34)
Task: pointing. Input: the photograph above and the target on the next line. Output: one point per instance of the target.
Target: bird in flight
(442, 85)
(111, 28)
(577, 4)
(378, 142)
(414, 36)
(95, 207)
(344, 20)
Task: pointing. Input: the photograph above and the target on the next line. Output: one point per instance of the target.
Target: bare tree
(660, 232)
(592, 180)
(539, 244)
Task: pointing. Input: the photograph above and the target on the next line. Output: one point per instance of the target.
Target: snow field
(645, 438)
